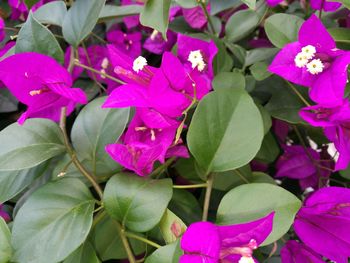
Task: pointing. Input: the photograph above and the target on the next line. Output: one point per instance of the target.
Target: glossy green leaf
(186, 206)
(94, 128)
(53, 222)
(171, 227)
(30, 3)
(137, 203)
(167, 254)
(269, 149)
(230, 179)
(259, 70)
(81, 20)
(13, 182)
(108, 243)
(242, 205)
(216, 6)
(5, 242)
(282, 29)
(233, 142)
(8, 102)
(236, 29)
(155, 14)
(29, 145)
(84, 254)
(259, 54)
(34, 37)
(187, 3)
(112, 11)
(52, 13)
(222, 61)
(229, 80)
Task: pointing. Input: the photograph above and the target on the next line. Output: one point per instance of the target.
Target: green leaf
(81, 20)
(5, 242)
(34, 37)
(282, 29)
(137, 203)
(13, 182)
(30, 3)
(233, 142)
(171, 227)
(259, 70)
(250, 3)
(259, 54)
(167, 254)
(186, 206)
(229, 80)
(187, 3)
(228, 180)
(8, 102)
(93, 129)
(53, 222)
(155, 14)
(242, 205)
(216, 6)
(222, 61)
(341, 36)
(269, 149)
(112, 11)
(260, 177)
(236, 30)
(84, 254)
(52, 13)
(108, 243)
(29, 145)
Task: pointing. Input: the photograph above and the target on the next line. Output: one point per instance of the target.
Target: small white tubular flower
(300, 60)
(196, 59)
(309, 51)
(103, 72)
(246, 260)
(315, 66)
(105, 63)
(139, 63)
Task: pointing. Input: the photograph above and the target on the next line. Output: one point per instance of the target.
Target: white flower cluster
(139, 63)
(306, 58)
(196, 59)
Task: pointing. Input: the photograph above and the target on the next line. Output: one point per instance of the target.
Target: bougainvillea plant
(165, 131)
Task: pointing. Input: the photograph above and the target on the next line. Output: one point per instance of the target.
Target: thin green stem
(142, 239)
(162, 167)
(298, 93)
(98, 218)
(204, 185)
(69, 147)
(126, 244)
(210, 182)
(238, 172)
(77, 63)
(210, 22)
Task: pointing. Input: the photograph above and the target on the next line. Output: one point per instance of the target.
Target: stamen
(102, 75)
(139, 63)
(315, 66)
(154, 34)
(140, 128)
(105, 63)
(153, 135)
(38, 91)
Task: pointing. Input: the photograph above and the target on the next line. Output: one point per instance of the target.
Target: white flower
(196, 59)
(246, 260)
(315, 66)
(139, 63)
(309, 51)
(300, 60)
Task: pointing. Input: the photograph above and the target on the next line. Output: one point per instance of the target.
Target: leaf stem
(142, 239)
(210, 22)
(204, 185)
(162, 167)
(207, 196)
(238, 172)
(126, 244)
(69, 147)
(298, 93)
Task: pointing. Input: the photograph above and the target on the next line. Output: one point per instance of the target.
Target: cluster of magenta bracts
(162, 96)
